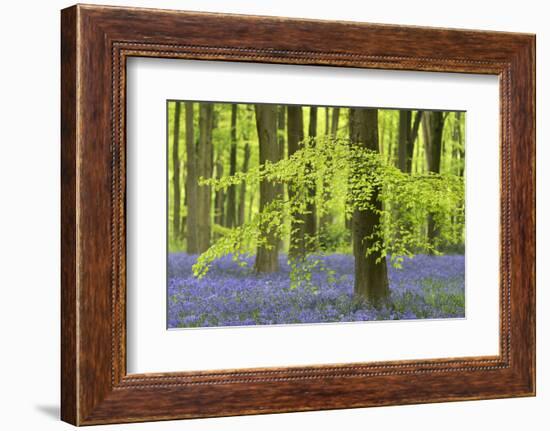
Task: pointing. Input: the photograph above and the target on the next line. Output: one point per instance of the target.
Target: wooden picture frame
(95, 43)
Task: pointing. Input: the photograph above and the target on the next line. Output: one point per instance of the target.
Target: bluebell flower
(232, 295)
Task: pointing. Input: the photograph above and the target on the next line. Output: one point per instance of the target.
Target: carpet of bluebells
(233, 295)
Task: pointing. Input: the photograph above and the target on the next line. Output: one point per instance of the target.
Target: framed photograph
(264, 214)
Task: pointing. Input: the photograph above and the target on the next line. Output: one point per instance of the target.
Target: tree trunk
(219, 198)
(231, 216)
(191, 182)
(433, 123)
(184, 216)
(325, 219)
(281, 120)
(433, 128)
(334, 122)
(460, 145)
(407, 136)
(371, 277)
(176, 172)
(389, 158)
(205, 153)
(266, 124)
(411, 140)
(295, 131)
(242, 187)
(281, 111)
(311, 216)
(403, 142)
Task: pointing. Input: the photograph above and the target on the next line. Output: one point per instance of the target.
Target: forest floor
(233, 295)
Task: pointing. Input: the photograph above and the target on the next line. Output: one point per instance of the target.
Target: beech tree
(432, 125)
(351, 178)
(191, 182)
(371, 273)
(219, 196)
(176, 171)
(231, 217)
(242, 186)
(295, 128)
(267, 256)
(325, 218)
(310, 227)
(205, 156)
(408, 132)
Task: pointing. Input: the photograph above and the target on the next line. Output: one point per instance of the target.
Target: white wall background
(29, 215)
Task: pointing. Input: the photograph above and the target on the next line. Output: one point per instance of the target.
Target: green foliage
(237, 241)
(354, 174)
(335, 237)
(302, 270)
(444, 295)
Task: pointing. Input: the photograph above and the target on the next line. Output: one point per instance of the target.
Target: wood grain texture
(69, 398)
(96, 41)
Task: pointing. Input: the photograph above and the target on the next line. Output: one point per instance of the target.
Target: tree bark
(219, 197)
(205, 153)
(281, 126)
(242, 187)
(295, 131)
(331, 129)
(460, 145)
(311, 216)
(231, 213)
(191, 182)
(371, 276)
(412, 140)
(266, 125)
(403, 142)
(407, 136)
(433, 130)
(433, 123)
(334, 122)
(281, 116)
(176, 172)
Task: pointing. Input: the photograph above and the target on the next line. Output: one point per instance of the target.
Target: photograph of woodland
(289, 214)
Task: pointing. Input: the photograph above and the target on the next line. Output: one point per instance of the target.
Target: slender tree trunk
(184, 216)
(250, 205)
(334, 122)
(205, 154)
(281, 121)
(176, 172)
(460, 146)
(219, 197)
(281, 116)
(348, 219)
(325, 219)
(266, 124)
(413, 135)
(295, 131)
(242, 187)
(389, 158)
(403, 142)
(371, 276)
(433, 123)
(311, 216)
(433, 130)
(381, 135)
(407, 136)
(191, 182)
(231, 213)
